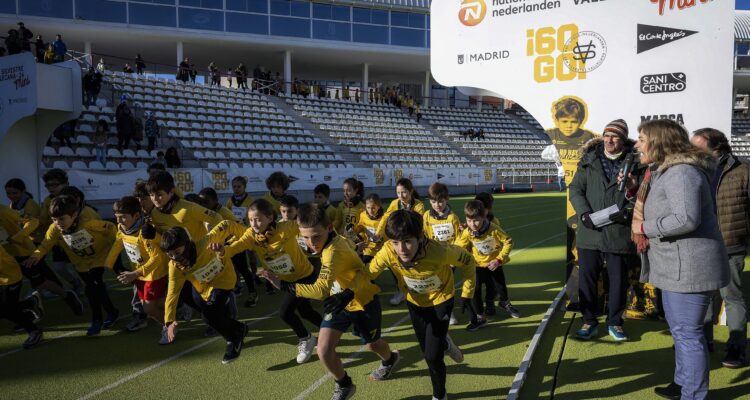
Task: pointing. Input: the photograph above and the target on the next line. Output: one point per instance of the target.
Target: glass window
(399, 18)
(193, 18)
(340, 13)
(47, 8)
(300, 9)
(258, 6)
(247, 23)
(101, 10)
(370, 34)
(428, 21)
(416, 20)
(328, 30)
(8, 6)
(145, 14)
(296, 27)
(172, 2)
(380, 17)
(215, 4)
(407, 37)
(361, 15)
(321, 11)
(280, 7)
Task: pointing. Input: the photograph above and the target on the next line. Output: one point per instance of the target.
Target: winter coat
(733, 203)
(152, 127)
(60, 48)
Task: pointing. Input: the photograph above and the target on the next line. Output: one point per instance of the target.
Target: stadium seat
(113, 153)
(96, 165)
(127, 165)
(49, 151)
(60, 164)
(111, 165)
(66, 152)
(82, 152)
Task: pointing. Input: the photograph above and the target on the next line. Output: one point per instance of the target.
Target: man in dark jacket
(731, 185)
(40, 47)
(60, 48)
(25, 35)
(595, 188)
(125, 124)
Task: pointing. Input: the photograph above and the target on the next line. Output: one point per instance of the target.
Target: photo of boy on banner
(569, 114)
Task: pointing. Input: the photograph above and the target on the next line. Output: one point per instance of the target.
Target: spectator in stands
(730, 186)
(230, 75)
(139, 64)
(89, 89)
(3, 52)
(160, 158)
(13, 42)
(560, 176)
(173, 159)
(152, 130)
(138, 130)
(128, 69)
(410, 105)
(193, 73)
(60, 48)
(674, 223)
(100, 141)
(241, 72)
(215, 74)
(125, 124)
(183, 71)
(49, 55)
(40, 47)
(65, 131)
(101, 67)
(25, 35)
(418, 111)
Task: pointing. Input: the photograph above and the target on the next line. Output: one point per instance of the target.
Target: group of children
(188, 251)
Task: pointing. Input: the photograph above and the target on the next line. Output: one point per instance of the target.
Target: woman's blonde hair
(664, 138)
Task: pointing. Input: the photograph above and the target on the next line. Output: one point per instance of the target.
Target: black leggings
(96, 292)
(289, 304)
(13, 309)
(39, 273)
(218, 313)
(495, 282)
(242, 267)
(431, 327)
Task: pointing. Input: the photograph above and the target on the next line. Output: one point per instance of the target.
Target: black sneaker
(38, 308)
(673, 391)
(18, 329)
(234, 348)
(734, 358)
(111, 319)
(507, 306)
(72, 300)
(34, 338)
(343, 393)
(252, 300)
(476, 325)
(490, 311)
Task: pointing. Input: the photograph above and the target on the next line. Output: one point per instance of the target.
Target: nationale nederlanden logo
(472, 12)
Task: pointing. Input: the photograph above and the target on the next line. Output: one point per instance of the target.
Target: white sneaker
(453, 351)
(305, 349)
(444, 398)
(454, 320)
(397, 298)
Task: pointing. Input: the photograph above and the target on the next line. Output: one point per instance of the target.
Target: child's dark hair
(570, 108)
(486, 199)
(55, 174)
(160, 181)
(474, 209)
(127, 205)
(174, 238)
(74, 192)
(404, 225)
(278, 178)
(264, 207)
(140, 190)
(194, 198)
(289, 201)
(156, 167)
(63, 205)
(374, 198)
(310, 216)
(358, 186)
(406, 184)
(438, 191)
(17, 184)
(210, 194)
(323, 189)
(240, 179)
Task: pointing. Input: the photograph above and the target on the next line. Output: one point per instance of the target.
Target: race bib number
(423, 285)
(133, 252)
(281, 265)
(302, 244)
(486, 246)
(210, 271)
(443, 232)
(3, 236)
(79, 241)
(371, 233)
(240, 213)
(336, 288)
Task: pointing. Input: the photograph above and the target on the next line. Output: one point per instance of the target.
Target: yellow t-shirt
(87, 247)
(347, 215)
(442, 230)
(239, 209)
(367, 229)
(429, 280)
(277, 249)
(16, 231)
(144, 254)
(332, 213)
(10, 271)
(275, 203)
(341, 269)
(209, 272)
(417, 206)
(493, 244)
(190, 216)
(31, 210)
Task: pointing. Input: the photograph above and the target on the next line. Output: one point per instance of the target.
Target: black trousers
(291, 303)
(591, 263)
(96, 292)
(151, 143)
(431, 326)
(218, 313)
(242, 267)
(12, 308)
(123, 142)
(39, 273)
(494, 281)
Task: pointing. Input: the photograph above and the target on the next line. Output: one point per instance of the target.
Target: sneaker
(185, 313)
(490, 310)
(444, 398)
(18, 329)
(343, 393)
(111, 319)
(95, 329)
(397, 298)
(38, 308)
(164, 340)
(477, 324)
(233, 352)
(210, 332)
(34, 338)
(735, 358)
(587, 332)
(453, 351)
(507, 306)
(305, 349)
(74, 302)
(136, 324)
(238, 289)
(453, 320)
(383, 372)
(617, 333)
(672, 391)
(252, 300)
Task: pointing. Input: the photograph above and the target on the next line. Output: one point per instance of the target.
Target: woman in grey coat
(676, 231)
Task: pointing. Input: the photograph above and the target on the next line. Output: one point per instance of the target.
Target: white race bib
(302, 244)
(3, 236)
(336, 288)
(281, 265)
(80, 240)
(423, 285)
(443, 232)
(133, 252)
(371, 233)
(486, 246)
(210, 271)
(240, 213)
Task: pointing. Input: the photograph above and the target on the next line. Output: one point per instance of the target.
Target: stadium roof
(742, 25)
(424, 4)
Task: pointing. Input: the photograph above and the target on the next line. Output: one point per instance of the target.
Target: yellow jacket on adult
(16, 231)
(277, 249)
(490, 245)
(341, 268)
(190, 216)
(428, 281)
(416, 206)
(443, 230)
(209, 272)
(87, 245)
(10, 271)
(145, 254)
(367, 229)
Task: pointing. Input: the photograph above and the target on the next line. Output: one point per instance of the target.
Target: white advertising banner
(18, 88)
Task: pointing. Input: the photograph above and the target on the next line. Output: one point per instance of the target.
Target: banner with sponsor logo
(18, 88)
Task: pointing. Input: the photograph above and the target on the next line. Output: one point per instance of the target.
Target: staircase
(453, 144)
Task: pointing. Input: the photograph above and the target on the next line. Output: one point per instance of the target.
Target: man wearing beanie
(595, 188)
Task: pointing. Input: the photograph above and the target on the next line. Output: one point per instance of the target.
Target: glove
(288, 287)
(586, 221)
(148, 231)
(338, 302)
(620, 217)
